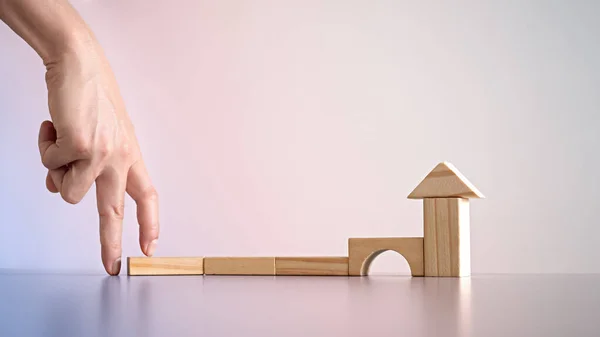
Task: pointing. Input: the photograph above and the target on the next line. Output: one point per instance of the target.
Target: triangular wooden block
(445, 181)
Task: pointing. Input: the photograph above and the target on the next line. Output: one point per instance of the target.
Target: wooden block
(429, 240)
(362, 251)
(312, 266)
(239, 265)
(165, 266)
(445, 181)
(446, 237)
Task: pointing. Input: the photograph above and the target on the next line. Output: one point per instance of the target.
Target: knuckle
(150, 194)
(47, 161)
(125, 150)
(104, 147)
(114, 212)
(82, 144)
(70, 196)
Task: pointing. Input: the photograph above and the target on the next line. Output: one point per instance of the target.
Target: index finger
(142, 191)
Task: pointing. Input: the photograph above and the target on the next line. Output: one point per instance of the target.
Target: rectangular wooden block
(311, 266)
(165, 266)
(446, 237)
(239, 265)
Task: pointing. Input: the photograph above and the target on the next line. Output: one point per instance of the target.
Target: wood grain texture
(239, 265)
(447, 237)
(362, 251)
(165, 266)
(445, 181)
(311, 266)
(429, 238)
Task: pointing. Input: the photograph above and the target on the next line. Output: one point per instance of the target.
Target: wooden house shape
(443, 251)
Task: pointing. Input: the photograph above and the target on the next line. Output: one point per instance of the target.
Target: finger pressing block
(165, 266)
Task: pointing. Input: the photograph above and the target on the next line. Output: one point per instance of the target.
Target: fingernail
(116, 268)
(151, 247)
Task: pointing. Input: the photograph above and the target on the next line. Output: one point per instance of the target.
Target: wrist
(51, 27)
(75, 44)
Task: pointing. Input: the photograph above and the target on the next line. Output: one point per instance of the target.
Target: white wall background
(285, 127)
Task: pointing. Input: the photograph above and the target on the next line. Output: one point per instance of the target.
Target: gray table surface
(98, 305)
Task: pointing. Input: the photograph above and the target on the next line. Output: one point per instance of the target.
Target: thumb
(53, 156)
(46, 139)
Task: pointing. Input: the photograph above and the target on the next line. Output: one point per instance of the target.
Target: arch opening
(386, 262)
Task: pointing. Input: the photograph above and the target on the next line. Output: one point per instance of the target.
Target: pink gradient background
(285, 127)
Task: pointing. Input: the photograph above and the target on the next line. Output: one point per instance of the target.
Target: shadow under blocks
(443, 251)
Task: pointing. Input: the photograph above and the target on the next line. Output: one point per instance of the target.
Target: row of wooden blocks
(324, 266)
(361, 252)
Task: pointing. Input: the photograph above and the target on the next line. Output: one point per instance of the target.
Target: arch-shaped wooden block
(362, 251)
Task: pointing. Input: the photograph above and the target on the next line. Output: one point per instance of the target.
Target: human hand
(91, 140)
